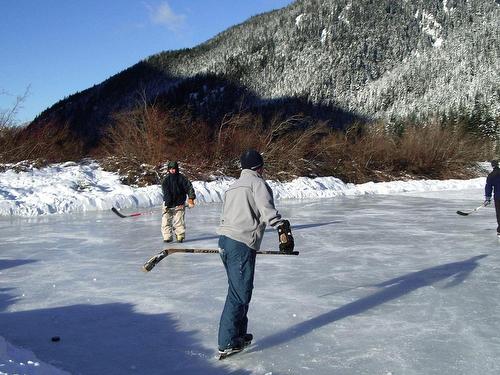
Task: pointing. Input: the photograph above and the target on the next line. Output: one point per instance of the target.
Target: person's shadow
(394, 288)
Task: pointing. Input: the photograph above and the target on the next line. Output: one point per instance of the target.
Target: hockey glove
(190, 203)
(487, 202)
(285, 237)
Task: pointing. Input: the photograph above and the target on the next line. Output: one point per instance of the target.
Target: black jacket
(493, 184)
(175, 187)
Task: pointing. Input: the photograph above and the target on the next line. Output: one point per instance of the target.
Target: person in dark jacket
(493, 186)
(175, 186)
(248, 207)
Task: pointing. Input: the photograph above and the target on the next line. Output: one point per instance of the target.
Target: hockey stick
(130, 215)
(135, 213)
(155, 259)
(466, 213)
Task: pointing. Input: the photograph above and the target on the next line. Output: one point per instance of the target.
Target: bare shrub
(440, 152)
(238, 132)
(8, 115)
(51, 143)
(359, 154)
(288, 149)
(142, 134)
(291, 151)
(292, 146)
(375, 154)
(193, 143)
(8, 135)
(153, 135)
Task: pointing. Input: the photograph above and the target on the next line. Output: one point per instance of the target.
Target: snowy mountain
(389, 59)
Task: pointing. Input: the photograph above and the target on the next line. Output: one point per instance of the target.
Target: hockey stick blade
(464, 213)
(155, 259)
(124, 216)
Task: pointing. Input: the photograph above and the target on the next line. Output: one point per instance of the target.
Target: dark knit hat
(251, 159)
(494, 163)
(173, 164)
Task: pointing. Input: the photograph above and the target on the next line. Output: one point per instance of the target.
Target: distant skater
(175, 187)
(493, 185)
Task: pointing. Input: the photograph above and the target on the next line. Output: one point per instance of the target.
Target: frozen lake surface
(384, 285)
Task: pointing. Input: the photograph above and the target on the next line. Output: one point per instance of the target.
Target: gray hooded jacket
(248, 207)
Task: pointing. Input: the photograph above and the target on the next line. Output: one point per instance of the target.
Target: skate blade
(229, 354)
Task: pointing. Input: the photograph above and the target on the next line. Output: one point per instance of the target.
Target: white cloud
(163, 14)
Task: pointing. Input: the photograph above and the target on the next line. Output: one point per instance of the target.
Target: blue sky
(55, 48)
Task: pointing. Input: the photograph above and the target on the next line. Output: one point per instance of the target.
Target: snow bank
(71, 187)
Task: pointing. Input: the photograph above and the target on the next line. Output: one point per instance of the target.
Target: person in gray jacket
(248, 207)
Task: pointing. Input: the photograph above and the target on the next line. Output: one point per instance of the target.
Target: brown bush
(141, 141)
(153, 135)
(291, 151)
(359, 154)
(7, 137)
(235, 134)
(440, 152)
(142, 134)
(376, 154)
(51, 143)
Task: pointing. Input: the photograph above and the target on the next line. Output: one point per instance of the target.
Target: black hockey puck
(55, 339)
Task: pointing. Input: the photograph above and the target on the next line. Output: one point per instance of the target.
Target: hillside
(336, 59)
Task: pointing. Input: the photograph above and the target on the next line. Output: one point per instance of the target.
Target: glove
(285, 237)
(487, 202)
(190, 203)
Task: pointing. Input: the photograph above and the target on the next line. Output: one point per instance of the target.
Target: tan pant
(172, 222)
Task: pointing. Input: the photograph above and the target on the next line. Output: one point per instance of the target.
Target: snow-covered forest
(391, 60)
(384, 59)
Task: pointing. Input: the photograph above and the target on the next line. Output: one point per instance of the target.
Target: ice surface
(384, 284)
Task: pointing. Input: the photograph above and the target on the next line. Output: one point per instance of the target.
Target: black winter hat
(251, 159)
(494, 163)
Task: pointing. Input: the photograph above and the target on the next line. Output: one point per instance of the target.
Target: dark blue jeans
(239, 261)
(497, 210)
